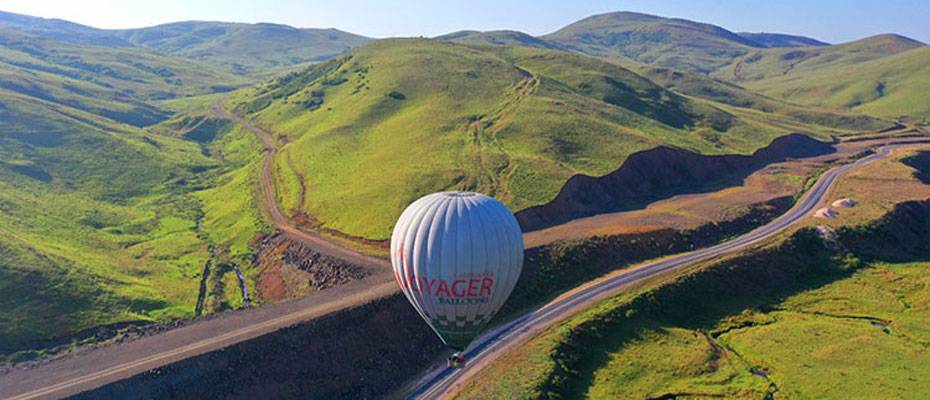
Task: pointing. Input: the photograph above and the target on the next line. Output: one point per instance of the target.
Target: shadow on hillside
(659, 173)
(760, 281)
(920, 162)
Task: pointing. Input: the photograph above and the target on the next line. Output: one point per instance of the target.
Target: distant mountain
(250, 48)
(499, 38)
(254, 49)
(60, 30)
(649, 39)
(781, 40)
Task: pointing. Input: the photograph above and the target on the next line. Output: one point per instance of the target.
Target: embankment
(659, 173)
(309, 269)
(361, 353)
(759, 279)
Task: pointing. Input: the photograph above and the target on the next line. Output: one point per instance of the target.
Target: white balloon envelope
(457, 257)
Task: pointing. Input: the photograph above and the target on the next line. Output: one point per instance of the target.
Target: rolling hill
(893, 87)
(785, 62)
(512, 122)
(499, 38)
(118, 83)
(665, 42)
(246, 49)
(104, 219)
(781, 40)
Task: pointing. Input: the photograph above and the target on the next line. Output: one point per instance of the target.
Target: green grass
(786, 63)
(893, 87)
(512, 122)
(253, 50)
(250, 49)
(665, 42)
(791, 318)
(100, 220)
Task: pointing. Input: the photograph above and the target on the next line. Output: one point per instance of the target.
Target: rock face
(290, 268)
(661, 172)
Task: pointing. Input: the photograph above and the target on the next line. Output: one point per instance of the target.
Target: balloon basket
(456, 360)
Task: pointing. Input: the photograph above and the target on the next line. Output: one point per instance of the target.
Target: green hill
(704, 87)
(114, 82)
(894, 87)
(499, 38)
(102, 221)
(250, 49)
(370, 132)
(665, 42)
(781, 63)
(781, 40)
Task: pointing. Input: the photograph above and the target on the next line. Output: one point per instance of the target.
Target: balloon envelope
(457, 257)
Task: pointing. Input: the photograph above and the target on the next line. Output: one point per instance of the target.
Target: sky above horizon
(833, 21)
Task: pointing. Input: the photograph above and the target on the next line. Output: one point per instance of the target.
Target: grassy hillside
(705, 87)
(781, 40)
(114, 82)
(246, 49)
(499, 38)
(893, 87)
(788, 62)
(666, 42)
(104, 222)
(370, 132)
(794, 319)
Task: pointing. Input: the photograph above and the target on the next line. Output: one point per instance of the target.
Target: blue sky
(830, 20)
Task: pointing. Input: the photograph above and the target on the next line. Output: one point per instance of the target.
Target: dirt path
(269, 202)
(94, 367)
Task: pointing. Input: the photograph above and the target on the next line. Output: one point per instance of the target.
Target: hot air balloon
(457, 257)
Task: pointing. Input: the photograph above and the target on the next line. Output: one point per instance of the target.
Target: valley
(186, 199)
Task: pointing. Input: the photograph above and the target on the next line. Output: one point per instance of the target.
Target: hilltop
(666, 42)
(499, 38)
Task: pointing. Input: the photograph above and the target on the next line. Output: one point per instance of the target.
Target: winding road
(92, 368)
(96, 367)
(441, 381)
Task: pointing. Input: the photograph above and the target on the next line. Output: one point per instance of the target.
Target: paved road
(91, 369)
(442, 381)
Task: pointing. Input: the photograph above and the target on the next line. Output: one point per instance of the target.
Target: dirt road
(443, 382)
(96, 367)
(269, 201)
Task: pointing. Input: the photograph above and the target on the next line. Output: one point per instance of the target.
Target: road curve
(270, 202)
(97, 367)
(442, 381)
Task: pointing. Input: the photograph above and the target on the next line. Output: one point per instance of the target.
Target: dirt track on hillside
(269, 203)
